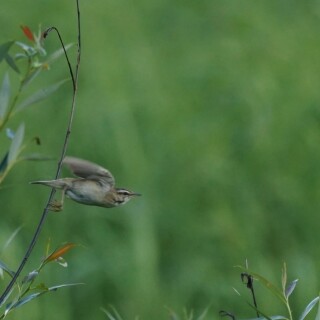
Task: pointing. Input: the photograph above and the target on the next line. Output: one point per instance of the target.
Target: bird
(93, 186)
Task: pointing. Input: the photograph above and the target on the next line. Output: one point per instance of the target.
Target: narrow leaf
(23, 301)
(4, 162)
(30, 276)
(4, 267)
(40, 95)
(6, 298)
(284, 278)
(57, 54)
(20, 56)
(13, 235)
(31, 77)
(290, 288)
(9, 133)
(28, 49)
(11, 63)
(309, 307)
(266, 283)
(4, 95)
(4, 48)
(318, 313)
(59, 252)
(16, 145)
(27, 32)
(55, 288)
(35, 295)
(41, 287)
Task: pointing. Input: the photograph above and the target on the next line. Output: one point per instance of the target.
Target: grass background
(210, 109)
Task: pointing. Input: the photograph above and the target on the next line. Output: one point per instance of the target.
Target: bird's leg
(56, 205)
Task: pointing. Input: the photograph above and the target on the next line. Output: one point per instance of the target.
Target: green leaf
(318, 313)
(33, 296)
(309, 307)
(284, 278)
(11, 238)
(40, 95)
(4, 95)
(4, 267)
(55, 288)
(11, 63)
(23, 301)
(57, 54)
(30, 276)
(16, 145)
(4, 48)
(26, 48)
(4, 162)
(9, 133)
(31, 77)
(291, 287)
(266, 283)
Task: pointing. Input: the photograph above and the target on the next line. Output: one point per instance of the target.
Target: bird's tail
(57, 184)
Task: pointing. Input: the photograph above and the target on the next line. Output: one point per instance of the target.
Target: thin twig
(63, 152)
(247, 279)
(45, 34)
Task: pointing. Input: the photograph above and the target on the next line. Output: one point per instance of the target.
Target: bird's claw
(56, 206)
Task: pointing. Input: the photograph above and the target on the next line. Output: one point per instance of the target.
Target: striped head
(122, 196)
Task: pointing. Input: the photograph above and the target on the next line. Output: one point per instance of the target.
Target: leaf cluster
(29, 289)
(281, 294)
(28, 64)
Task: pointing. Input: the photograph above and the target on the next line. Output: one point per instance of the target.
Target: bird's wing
(89, 170)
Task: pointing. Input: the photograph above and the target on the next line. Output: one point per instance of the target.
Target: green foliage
(33, 56)
(210, 109)
(25, 290)
(28, 289)
(281, 295)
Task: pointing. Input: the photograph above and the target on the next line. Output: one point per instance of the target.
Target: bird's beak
(136, 194)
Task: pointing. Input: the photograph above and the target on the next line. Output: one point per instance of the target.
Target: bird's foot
(56, 206)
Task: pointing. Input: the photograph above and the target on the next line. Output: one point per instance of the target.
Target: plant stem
(63, 152)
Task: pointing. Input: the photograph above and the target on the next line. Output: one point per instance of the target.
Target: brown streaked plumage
(94, 186)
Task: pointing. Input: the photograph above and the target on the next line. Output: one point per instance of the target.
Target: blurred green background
(210, 109)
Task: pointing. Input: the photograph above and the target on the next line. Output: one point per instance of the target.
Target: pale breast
(87, 192)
